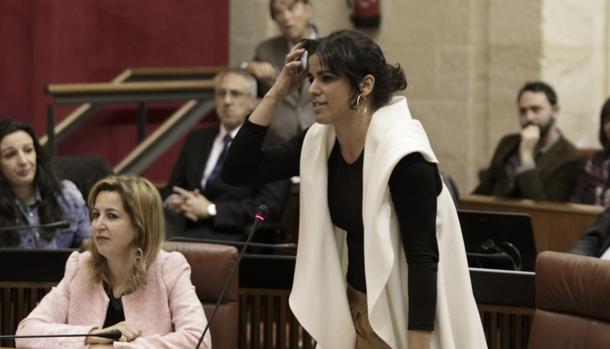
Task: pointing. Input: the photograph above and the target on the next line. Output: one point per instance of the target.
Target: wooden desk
(505, 300)
(557, 226)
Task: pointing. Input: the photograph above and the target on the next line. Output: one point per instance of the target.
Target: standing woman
(31, 194)
(126, 282)
(381, 261)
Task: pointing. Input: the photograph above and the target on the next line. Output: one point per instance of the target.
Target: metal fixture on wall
(365, 13)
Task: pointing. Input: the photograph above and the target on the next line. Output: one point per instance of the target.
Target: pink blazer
(166, 309)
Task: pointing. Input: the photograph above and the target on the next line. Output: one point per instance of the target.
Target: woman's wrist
(263, 113)
(274, 95)
(419, 339)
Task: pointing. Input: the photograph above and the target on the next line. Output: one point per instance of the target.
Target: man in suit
(292, 17)
(199, 204)
(595, 242)
(538, 163)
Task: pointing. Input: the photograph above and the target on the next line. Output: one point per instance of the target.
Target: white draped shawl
(318, 298)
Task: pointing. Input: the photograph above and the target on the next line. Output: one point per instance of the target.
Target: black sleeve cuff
(422, 299)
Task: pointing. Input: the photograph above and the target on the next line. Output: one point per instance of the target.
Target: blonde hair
(142, 203)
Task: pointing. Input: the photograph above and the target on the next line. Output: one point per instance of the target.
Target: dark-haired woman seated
(381, 262)
(31, 194)
(592, 186)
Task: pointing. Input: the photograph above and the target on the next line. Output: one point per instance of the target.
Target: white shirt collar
(224, 131)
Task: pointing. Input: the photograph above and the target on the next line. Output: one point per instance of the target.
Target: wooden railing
(192, 86)
(73, 120)
(128, 75)
(107, 88)
(173, 73)
(557, 226)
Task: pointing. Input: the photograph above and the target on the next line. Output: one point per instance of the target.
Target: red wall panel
(64, 41)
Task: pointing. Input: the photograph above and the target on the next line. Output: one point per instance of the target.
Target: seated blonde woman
(126, 282)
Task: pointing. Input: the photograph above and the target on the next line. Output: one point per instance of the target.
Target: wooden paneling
(267, 322)
(506, 327)
(17, 299)
(557, 226)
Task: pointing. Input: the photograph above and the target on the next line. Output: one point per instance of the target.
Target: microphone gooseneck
(59, 224)
(514, 258)
(115, 335)
(261, 213)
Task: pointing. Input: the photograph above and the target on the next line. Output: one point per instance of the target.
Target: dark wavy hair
(45, 181)
(604, 117)
(539, 86)
(353, 55)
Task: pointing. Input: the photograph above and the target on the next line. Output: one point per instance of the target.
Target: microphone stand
(490, 244)
(59, 225)
(259, 217)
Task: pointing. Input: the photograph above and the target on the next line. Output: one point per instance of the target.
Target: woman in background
(380, 262)
(592, 186)
(31, 194)
(125, 282)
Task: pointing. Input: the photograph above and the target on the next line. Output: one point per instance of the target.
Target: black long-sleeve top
(596, 240)
(414, 186)
(114, 312)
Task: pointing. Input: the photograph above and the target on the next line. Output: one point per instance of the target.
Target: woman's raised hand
(290, 77)
(292, 74)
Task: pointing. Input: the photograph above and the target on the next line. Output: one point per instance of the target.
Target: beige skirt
(366, 337)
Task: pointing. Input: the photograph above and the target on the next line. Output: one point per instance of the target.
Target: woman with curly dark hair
(31, 194)
(380, 262)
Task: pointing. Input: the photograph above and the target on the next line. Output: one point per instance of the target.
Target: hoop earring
(139, 253)
(358, 108)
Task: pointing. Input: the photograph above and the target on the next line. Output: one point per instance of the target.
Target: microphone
(115, 335)
(261, 213)
(514, 258)
(59, 224)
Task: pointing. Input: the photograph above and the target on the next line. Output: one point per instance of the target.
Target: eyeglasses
(222, 93)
